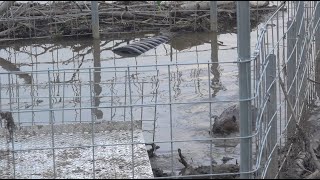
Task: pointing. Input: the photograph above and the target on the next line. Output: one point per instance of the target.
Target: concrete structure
(73, 151)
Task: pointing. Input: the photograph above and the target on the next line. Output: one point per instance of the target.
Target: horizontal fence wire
(95, 120)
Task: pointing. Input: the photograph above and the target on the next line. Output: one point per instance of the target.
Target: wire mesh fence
(285, 57)
(80, 121)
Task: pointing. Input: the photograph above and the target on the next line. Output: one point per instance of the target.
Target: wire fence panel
(75, 109)
(291, 47)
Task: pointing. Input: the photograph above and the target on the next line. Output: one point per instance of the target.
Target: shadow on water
(97, 78)
(9, 66)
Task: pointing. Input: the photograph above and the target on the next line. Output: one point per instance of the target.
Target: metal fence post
(95, 19)
(214, 35)
(316, 26)
(302, 56)
(213, 16)
(214, 58)
(271, 117)
(243, 36)
(317, 46)
(291, 68)
(299, 34)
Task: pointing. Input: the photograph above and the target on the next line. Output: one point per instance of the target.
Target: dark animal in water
(229, 121)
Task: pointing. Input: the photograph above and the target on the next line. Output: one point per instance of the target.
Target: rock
(229, 121)
(157, 172)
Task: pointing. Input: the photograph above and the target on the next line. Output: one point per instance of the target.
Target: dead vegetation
(299, 153)
(302, 161)
(225, 171)
(72, 18)
(202, 170)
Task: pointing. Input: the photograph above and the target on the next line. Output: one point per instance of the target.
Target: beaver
(229, 121)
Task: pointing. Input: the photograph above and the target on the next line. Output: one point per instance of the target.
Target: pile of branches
(216, 169)
(301, 152)
(303, 160)
(222, 171)
(73, 18)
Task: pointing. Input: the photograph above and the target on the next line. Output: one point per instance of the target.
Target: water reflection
(216, 84)
(9, 66)
(189, 40)
(71, 89)
(97, 78)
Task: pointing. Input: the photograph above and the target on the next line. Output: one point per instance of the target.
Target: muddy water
(189, 83)
(71, 89)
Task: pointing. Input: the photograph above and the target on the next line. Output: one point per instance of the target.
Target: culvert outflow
(140, 47)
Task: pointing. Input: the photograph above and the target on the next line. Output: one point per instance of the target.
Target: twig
(77, 5)
(287, 99)
(313, 81)
(150, 15)
(155, 24)
(35, 9)
(314, 175)
(117, 6)
(22, 8)
(32, 27)
(151, 151)
(60, 22)
(6, 32)
(182, 159)
(5, 5)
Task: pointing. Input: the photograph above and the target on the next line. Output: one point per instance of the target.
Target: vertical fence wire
(132, 127)
(52, 124)
(293, 48)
